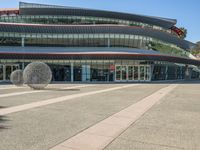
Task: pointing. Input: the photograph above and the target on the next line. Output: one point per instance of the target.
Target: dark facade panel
(163, 36)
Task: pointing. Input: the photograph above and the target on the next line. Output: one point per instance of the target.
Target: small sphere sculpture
(16, 77)
(37, 75)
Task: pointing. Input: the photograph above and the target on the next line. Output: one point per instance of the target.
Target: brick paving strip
(100, 135)
(37, 91)
(14, 109)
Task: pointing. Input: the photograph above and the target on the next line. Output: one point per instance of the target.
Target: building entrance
(125, 73)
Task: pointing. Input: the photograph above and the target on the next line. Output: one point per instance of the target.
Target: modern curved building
(94, 45)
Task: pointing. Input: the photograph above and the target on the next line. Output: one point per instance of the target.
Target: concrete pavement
(173, 123)
(104, 132)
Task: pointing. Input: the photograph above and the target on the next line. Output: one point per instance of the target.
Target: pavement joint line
(14, 109)
(162, 145)
(39, 91)
(100, 135)
(11, 87)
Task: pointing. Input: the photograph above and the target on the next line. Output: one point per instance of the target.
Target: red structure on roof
(9, 11)
(178, 31)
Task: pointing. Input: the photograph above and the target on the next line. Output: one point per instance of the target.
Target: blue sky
(187, 12)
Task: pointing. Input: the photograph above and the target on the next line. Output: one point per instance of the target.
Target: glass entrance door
(142, 73)
(135, 73)
(121, 73)
(124, 73)
(132, 73)
(118, 73)
(148, 73)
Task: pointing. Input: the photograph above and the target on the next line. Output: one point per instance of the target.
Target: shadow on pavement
(3, 120)
(57, 89)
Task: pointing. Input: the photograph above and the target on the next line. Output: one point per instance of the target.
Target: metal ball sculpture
(16, 77)
(37, 75)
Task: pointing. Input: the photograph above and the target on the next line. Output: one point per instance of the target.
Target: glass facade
(74, 20)
(108, 31)
(90, 40)
(168, 72)
(105, 70)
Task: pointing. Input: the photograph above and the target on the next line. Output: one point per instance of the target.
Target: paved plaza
(154, 116)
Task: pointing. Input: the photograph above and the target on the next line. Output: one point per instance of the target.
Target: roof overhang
(93, 54)
(41, 9)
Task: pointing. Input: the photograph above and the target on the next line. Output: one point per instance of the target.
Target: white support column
(138, 72)
(108, 42)
(22, 43)
(166, 72)
(85, 73)
(72, 72)
(23, 66)
(187, 72)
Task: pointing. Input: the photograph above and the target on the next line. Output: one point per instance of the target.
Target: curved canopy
(89, 53)
(40, 9)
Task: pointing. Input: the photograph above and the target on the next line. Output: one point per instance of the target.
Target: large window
(90, 40)
(71, 20)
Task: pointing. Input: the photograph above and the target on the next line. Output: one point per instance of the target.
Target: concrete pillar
(85, 73)
(23, 66)
(72, 72)
(166, 73)
(108, 42)
(187, 72)
(22, 43)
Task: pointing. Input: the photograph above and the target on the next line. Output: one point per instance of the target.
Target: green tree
(196, 49)
(184, 30)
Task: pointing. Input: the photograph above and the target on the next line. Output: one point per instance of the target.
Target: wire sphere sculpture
(37, 75)
(16, 77)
